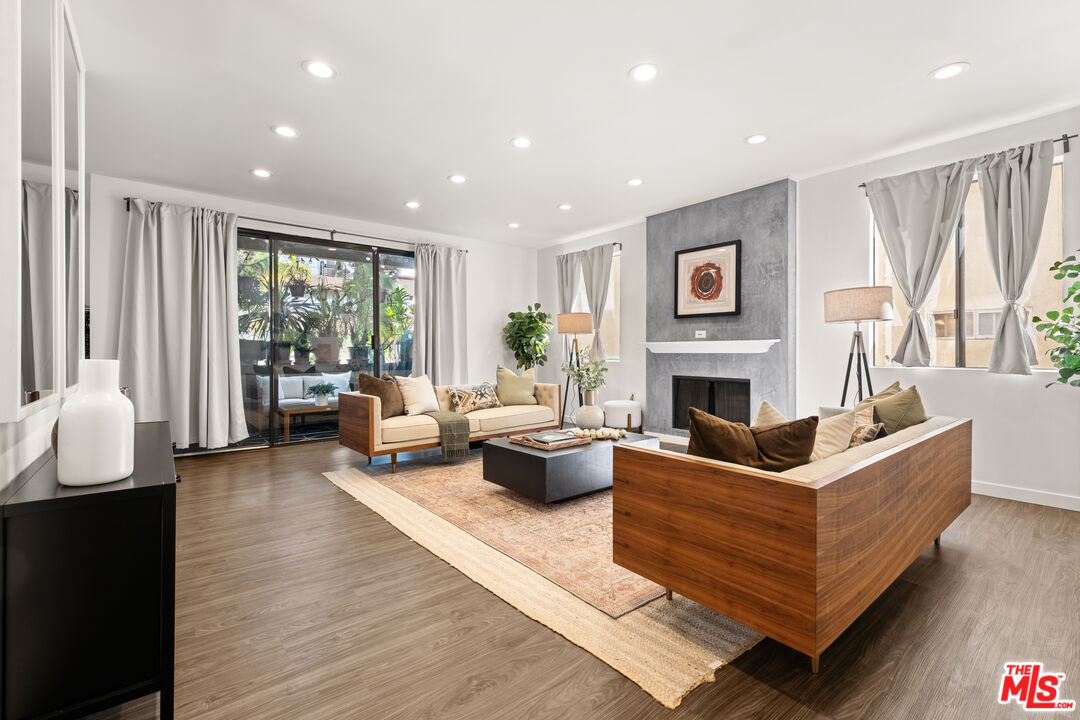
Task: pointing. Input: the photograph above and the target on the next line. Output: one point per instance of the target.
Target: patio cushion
(291, 387)
(340, 381)
(305, 404)
(511, 416)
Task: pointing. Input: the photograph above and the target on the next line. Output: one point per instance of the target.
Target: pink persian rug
(569, 542)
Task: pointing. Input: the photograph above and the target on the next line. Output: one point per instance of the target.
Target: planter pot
(95, 441)
(327, 349)
(321, 401)
(589, 416)
(298, 289)
(282, 352)
(252, 351)
(301, 354)
(247, 285)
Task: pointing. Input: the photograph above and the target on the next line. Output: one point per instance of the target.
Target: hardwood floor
(295, 601)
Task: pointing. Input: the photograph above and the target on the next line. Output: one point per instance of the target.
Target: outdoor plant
(295, 274)
(527, 336)
(1063, 326)
(321, 389)
(590, 376)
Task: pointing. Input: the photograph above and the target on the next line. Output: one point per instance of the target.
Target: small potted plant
(589, 378)
(321, 392)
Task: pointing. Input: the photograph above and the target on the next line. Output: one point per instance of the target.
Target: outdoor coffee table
(553, 475)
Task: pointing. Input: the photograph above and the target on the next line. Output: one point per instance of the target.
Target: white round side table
(622, 414)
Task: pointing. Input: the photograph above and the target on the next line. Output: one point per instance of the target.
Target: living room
(429, 361)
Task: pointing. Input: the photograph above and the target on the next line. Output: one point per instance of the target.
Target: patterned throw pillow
(865, 433)
(479, 398)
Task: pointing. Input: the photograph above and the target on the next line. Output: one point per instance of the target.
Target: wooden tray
(529, 442)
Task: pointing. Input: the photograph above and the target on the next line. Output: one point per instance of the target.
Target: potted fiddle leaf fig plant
(527, 335)
(321, 392)
(1063, 326)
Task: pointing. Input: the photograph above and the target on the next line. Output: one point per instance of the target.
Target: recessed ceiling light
(634, 182)
(456, 179)
(644, 72)
(512, 226)
(285, 131)
(319, 69)
(565, 206)
(521, 143)
(951, 70)
(756, 139)
(412, 204)
(261, 173)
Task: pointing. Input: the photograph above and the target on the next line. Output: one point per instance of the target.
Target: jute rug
(666, 647)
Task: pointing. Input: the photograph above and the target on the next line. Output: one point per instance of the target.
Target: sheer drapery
(440, 348)
(916, 214)
(567, 276)
(179, 342)
(1015, 188)
(596, 269)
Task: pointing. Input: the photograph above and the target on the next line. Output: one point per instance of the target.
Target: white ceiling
(184, 93)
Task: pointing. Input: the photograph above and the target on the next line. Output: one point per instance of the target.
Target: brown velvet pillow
(386, 390)
(769, 447)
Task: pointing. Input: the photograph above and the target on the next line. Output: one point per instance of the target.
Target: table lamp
(858, 305)
(574, 324)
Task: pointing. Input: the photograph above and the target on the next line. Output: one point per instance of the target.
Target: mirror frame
(72, 37)
(61, 25)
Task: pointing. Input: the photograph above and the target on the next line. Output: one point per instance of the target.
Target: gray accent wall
(764, 219)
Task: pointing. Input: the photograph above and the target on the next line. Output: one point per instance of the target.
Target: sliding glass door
(316, 314)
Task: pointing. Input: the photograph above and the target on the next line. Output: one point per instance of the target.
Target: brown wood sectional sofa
(797, 555)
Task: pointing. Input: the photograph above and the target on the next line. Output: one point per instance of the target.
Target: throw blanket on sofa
(453, 433)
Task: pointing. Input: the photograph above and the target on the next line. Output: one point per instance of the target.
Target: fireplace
(728, 398)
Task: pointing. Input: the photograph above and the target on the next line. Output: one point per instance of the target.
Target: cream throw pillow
(767, 415)
(418, 394)
(833, 435)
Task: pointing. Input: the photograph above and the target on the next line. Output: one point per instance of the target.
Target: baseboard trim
(1036, 497)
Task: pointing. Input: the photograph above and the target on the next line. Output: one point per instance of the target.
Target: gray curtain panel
(916, 215)
(75, 301)
(1015, 188)
(567, 276)
(38, 311)
(179, 344)
(440, 347)
(596, 269)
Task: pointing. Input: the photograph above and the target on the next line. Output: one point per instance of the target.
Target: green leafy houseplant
(1063, 326)
(590, 376)
(321, 389)
(527, 336)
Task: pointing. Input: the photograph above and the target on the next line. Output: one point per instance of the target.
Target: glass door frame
(275, 239)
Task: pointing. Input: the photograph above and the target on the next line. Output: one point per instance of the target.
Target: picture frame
(708, 280)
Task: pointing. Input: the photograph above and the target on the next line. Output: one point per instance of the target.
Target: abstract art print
(707, 280)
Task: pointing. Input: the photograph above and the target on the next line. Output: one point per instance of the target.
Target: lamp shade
(859, 304)
(574, 323)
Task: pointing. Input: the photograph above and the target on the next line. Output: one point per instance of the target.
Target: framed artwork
(707, 280)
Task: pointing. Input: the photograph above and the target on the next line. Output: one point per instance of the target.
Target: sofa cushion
(866, 433)
(512, 416)
(386, 390)
(340, 381)
(291, 387)
(480, 397)
(887, 392)
(515, 389)
(833, 435)
(767, 415)
(418, 394)
(409, 428)
(900, 411)
(769, 447)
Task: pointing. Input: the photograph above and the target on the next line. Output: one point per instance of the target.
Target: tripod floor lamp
(573, 324)
(858, 305)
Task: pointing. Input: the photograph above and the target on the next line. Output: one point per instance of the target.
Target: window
(966, 288)
(609, 322)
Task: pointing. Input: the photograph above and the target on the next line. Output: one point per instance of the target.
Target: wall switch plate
(699, 334)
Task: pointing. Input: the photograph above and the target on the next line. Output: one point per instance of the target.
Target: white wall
(626, 375)
(500, 277)
(1025, 436)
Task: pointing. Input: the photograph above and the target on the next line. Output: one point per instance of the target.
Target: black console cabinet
(88, 587)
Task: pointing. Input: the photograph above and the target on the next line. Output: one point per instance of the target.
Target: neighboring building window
(966, 288)
(609, 324)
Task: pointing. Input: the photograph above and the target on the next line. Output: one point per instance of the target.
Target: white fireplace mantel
(740, 347)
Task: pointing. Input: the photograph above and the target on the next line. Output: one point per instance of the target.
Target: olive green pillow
(776, 447)
(513, 389)
(887, 392)
(902, 410)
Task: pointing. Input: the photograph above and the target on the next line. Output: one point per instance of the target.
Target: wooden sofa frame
(356, 428)
(796, 561)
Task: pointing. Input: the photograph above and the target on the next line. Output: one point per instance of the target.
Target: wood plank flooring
(295, 601)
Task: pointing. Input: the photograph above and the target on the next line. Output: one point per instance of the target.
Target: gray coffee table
(553, 475)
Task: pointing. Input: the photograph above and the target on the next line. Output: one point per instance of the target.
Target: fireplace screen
(728, 398)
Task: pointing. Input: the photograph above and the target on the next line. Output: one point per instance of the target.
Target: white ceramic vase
(96, 434)
(320, 400)
(589, 416)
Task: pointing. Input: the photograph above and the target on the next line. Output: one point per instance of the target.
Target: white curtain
(179, 344)
(1015, 188)
(567, 276)
(916, 215)
(596, 268)
(440, 347)
(38, 356)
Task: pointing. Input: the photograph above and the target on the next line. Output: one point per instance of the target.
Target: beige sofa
(361, 427)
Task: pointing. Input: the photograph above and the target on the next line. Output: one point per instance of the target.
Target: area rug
(666, 647)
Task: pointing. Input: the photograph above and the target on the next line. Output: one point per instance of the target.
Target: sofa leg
(667, 593)
(814, 663)
(393, 462)
(937, 540)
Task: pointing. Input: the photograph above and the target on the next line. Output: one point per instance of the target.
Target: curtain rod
(127, 202)
(1064, 139)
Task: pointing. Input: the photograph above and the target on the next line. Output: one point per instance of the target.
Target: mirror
(73, 193)
(38, 312)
